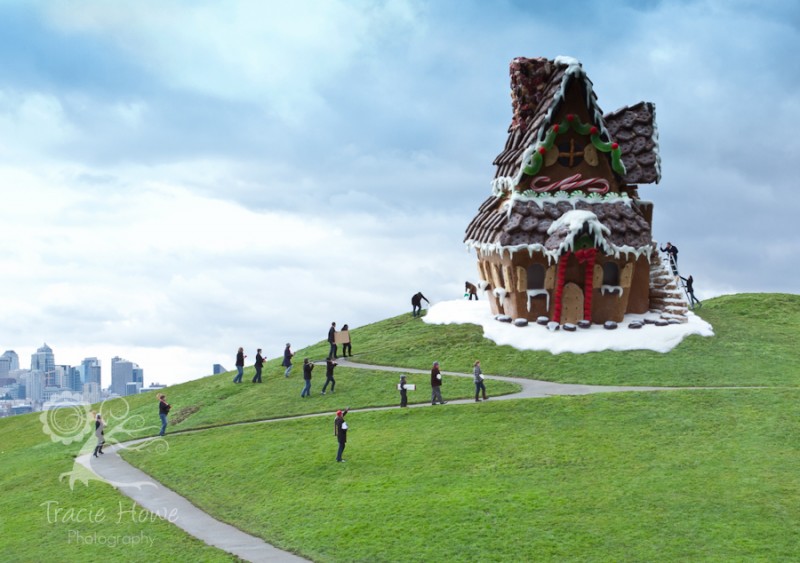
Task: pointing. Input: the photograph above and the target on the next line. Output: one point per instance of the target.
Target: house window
(610, 273)
(570, 154)
(535, 276)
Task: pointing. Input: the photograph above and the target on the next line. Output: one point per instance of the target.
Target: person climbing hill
(416, 304)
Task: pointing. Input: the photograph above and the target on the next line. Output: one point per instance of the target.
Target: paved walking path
(157, 498)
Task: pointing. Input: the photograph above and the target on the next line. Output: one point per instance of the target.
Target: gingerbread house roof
(550, 226)
(634, 128)
(538, 89)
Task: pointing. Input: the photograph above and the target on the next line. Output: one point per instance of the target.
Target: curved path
(158, 499)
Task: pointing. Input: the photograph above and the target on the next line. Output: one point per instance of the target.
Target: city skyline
(34, 387)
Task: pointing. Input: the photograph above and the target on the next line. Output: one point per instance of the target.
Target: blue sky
(183, 178)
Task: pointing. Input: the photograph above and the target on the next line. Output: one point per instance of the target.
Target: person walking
(332, 341)
(330, 365)
(163, 411)
(259, 365)
(690, 292)
(436, 385)
(307, 369)
(416, 304)
(347, 348)
(478, 378)
(99, 431)
(239, 365)
(287, 359)
(340, 431)
(403, 391)
(471, 290)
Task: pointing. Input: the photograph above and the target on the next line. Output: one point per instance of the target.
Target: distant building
(91, 392)
(124, 372)
(152, 387)
(90, 371)
(219, 369)
(34, 384)
(44, 361)
(9, 362)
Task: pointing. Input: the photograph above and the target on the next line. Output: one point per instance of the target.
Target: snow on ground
(594, 339)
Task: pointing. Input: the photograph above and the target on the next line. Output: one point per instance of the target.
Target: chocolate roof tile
(528, 224)
(634, 129)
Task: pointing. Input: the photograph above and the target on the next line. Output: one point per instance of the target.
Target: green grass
(687, 475)
(666, 476)
(31, 464)
(216, 400)
(754, 344)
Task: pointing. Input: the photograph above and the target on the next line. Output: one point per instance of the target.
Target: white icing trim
(535, 292)
(611, 289)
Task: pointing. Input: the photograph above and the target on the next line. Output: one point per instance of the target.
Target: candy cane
(599, 185)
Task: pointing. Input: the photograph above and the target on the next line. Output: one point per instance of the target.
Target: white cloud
(251, 171)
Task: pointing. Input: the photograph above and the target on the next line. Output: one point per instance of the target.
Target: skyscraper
(122, 373)
(9, 362)
(44, 361)
(90, 371)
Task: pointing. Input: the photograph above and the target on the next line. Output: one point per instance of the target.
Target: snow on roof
(573, 222)
(595, 339)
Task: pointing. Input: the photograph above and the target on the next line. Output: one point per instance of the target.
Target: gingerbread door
(572, 304)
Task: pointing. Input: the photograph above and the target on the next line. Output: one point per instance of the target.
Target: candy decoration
(562, 269)
(533, 164)
(574, 182)
(587, 257)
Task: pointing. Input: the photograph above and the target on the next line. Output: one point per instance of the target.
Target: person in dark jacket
(472, 290)
(672, 254)
(690, 292)
(99, 431)
(340, 431)
(436, 385)
(416, 304)
(259, 365)
(478, 380)
(163, 411)
(403, 391)
(287, 359)
(330, 365)
(307, 368)
(239, 365)
(347, 348)
(332, 341)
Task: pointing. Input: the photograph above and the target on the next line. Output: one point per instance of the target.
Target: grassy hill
(702, 475)
(753, 345)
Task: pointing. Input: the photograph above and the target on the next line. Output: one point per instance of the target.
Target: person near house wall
(690, 291)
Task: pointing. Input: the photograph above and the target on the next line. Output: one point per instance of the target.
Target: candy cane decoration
(598, 185)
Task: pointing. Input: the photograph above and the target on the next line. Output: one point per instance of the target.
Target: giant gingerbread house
(564, 235)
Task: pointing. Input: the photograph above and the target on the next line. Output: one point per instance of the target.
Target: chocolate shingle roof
(634, 128)
(537, 90)
(528, 223)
